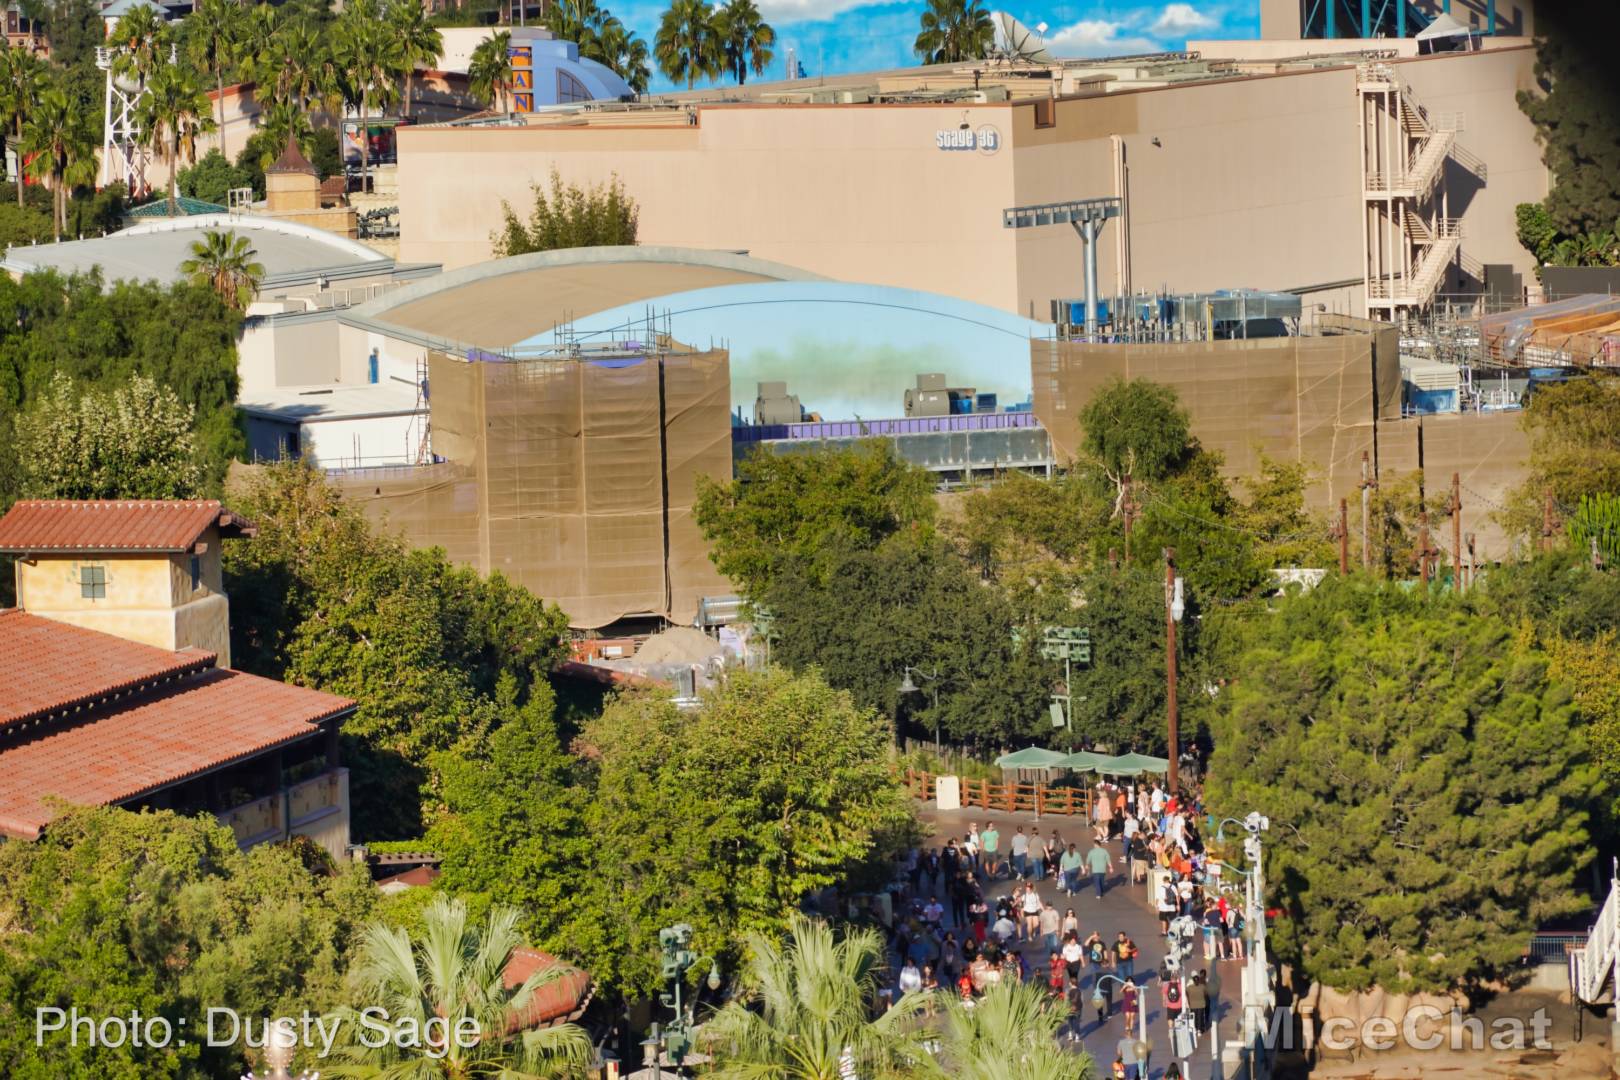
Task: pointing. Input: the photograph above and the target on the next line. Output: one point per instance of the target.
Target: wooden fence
(1014, 798)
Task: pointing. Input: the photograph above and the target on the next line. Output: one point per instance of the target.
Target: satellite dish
(1015, 41)
(1040, 28)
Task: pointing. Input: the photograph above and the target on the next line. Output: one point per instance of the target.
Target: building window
(196, 573)
(570, 89)
(93, 582)
(290, 447)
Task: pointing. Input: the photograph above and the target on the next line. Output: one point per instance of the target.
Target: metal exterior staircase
(1595, 968)
(1411, 240)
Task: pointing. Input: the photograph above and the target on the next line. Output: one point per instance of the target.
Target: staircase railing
(1591, 968)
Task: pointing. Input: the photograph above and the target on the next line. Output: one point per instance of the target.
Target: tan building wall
(1308, 399)
(1254, 183)
(149, 598)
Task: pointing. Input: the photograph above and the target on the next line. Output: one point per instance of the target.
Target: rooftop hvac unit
(928, 402)
(774, 405)
(931, 381)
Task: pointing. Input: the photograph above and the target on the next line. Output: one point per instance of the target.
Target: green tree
(114, 910)
(419, 43)
(322, 599)
(1595, 527)
(1010, 1033)
(713, 818)
(171, 113)
(454, 974)
(223, 262)
(1135, 432)
(22, 77)
(687, 46)
(369, 55)
(784, 506)
(1119, 699)
(953, 31)
(59, 137)
(570, 217)
(140, 42)
(213, 34)
(1020, 527)
(745, 38)
(134, 442)
(861, 616)
(513, 830)
(810, 1000)
(1284, 531)
(1577, 85)
(489, 71)
(600, 37)
(212, 179)
(1574, 432)
(1424, 778)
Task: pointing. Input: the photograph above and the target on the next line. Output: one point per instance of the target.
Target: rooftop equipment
(1087, 216)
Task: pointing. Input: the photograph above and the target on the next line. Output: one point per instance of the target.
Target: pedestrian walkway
(1123, 907)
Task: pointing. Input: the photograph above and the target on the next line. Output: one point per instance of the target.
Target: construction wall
(1309, 399)
(576, 478)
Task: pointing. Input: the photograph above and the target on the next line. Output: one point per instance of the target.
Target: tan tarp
(573, 477)
(1305, 399)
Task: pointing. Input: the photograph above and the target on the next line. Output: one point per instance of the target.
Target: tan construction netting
(573, 477)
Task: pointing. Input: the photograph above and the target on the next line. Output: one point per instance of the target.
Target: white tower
(123, 158)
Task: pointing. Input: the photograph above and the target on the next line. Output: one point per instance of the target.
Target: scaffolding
(1410, 240)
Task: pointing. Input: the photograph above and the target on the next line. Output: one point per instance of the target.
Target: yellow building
(158, 583)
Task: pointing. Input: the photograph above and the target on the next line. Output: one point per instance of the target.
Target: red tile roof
(125, 751)
(561, 999)
(48, 666)
(110, 525)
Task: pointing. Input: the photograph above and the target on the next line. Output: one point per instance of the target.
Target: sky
(835, 36)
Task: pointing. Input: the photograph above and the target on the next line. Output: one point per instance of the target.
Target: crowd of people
(956, 932)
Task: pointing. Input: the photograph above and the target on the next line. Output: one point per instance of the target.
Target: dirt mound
(678, 645)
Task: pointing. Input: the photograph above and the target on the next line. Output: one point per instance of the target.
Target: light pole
(677, 960)
(1174, 607)
(1141, 1004)
(1256, 978)
(909, 687)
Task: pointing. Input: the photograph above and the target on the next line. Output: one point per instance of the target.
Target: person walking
(1125, 951)
(1018, 848)
(1103, 814)
(989, 842)
(1070, 865)
(1072, 955)
(1049, 926)
(1198, 1001)
(1130, 1000)
(1099, 861)
(1032, 908)
(1127, 1054)
(1037, 855)
(1071, 924)
(970, 850)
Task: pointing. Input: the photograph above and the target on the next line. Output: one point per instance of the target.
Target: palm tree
(1010, 1033)
(284, 120)
(489, 70)
(368, 57)
(215, 30)
(223, 261)
(454, 972)
(745, 38)
(140, 39)
(63, 145)
(686, 45)
(624, 52)
(814, 999)
(21, 77)
(419, 42)
(953, 31)
(171, 113)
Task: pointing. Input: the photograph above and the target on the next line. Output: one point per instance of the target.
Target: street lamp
(1141, 1005)
(677, 960)
(1256, 975)
(909, 687)
(1174, 607)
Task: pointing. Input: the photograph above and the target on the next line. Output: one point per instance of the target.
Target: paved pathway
(1123, 907)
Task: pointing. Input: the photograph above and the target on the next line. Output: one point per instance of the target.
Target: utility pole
(1473, 572)
(1366, 495)
(1456, 532)
(1546, 520)
(1344, 537)
(1423, 545)
(1171, 602)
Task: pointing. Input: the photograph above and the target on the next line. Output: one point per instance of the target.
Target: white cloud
(792, 11)
(1097, 37)
(1181, 19)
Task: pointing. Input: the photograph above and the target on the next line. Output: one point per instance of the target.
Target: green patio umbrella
(1031, 757)
(1084, 761)
(1134, 764)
